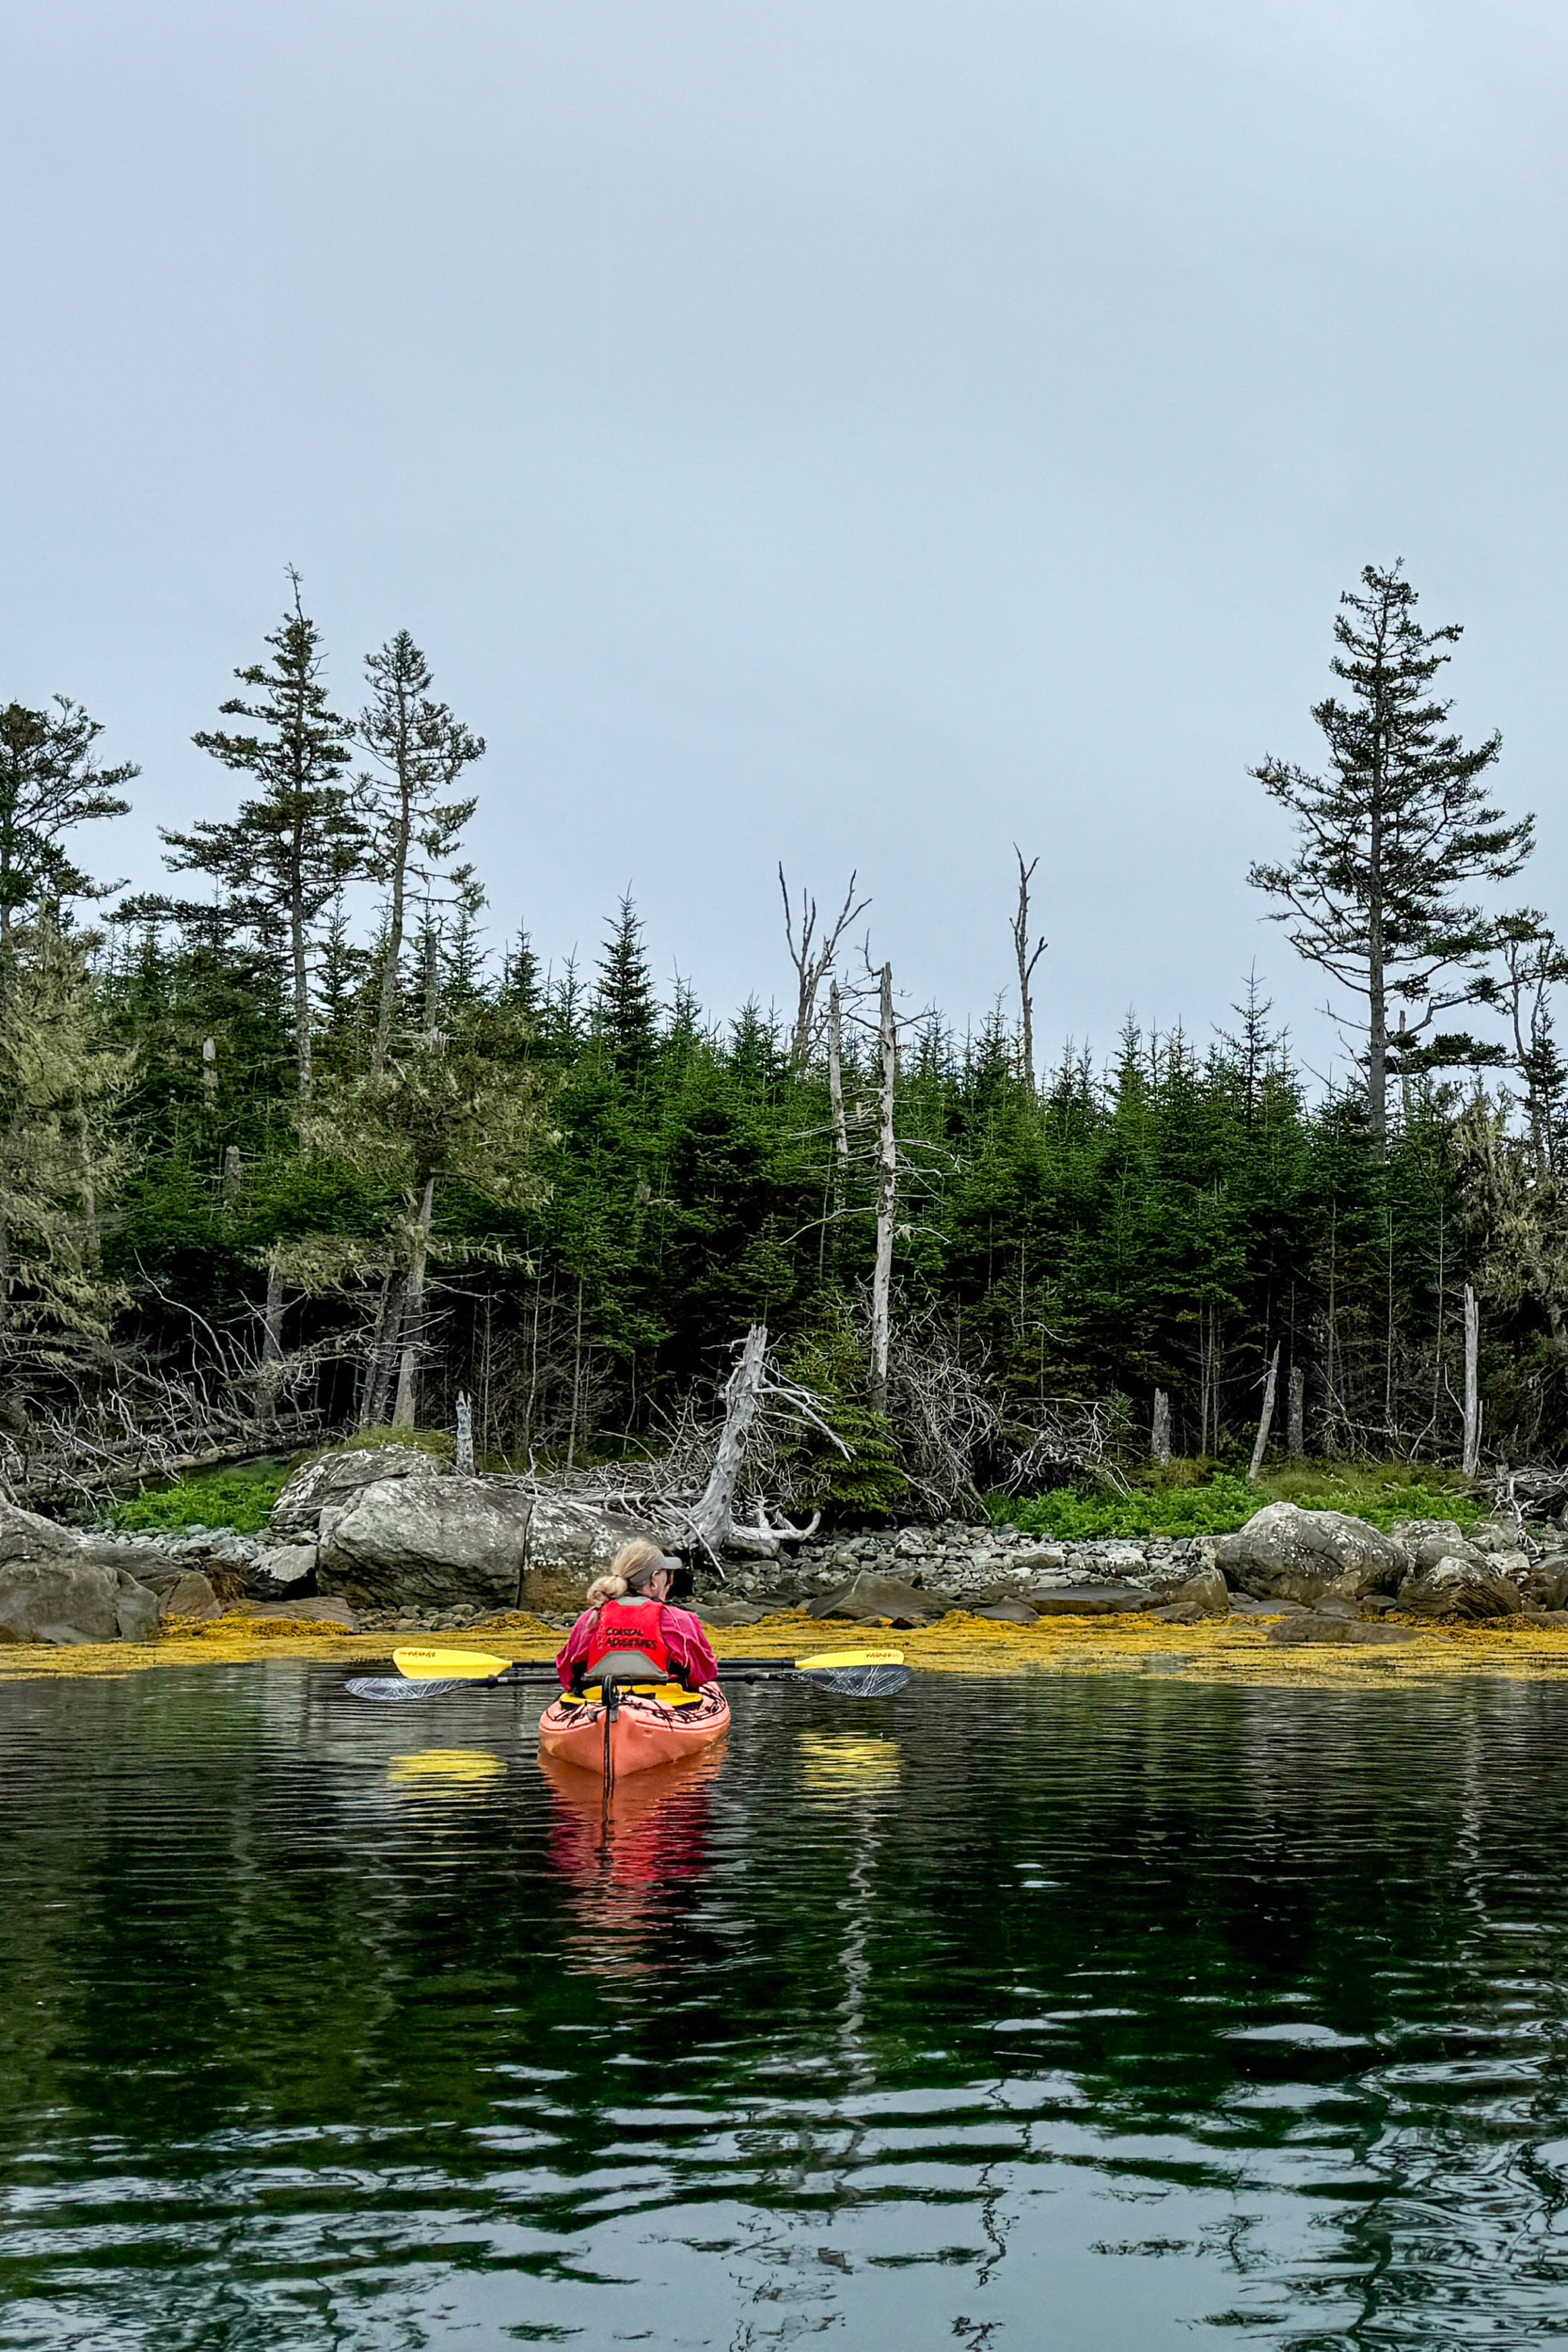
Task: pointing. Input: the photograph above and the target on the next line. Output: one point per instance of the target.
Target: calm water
(1150, 2015)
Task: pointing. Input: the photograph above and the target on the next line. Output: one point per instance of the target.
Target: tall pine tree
(286, 855)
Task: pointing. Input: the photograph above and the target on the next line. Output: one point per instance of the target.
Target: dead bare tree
(813, 955)
(835, 1078)
(1265, 1417)
(1028, 957)
(887, 1193)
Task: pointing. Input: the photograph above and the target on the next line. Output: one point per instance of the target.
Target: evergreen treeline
(248, 1149)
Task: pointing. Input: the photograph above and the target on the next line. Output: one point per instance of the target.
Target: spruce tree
(625, 1013)
(287, 853)
(1399, 826)
(421, 749)
(49, 782)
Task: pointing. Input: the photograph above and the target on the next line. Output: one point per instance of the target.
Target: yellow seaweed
(1233, 1650)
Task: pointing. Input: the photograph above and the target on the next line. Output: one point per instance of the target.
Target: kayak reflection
(623, 1859)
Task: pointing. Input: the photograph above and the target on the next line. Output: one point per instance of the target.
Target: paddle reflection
(624, 1860)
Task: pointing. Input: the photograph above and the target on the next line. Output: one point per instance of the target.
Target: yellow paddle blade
(843, 1657)
(448, 1665)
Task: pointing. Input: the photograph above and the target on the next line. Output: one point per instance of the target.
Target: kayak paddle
(425, 1673)
(477, 1666)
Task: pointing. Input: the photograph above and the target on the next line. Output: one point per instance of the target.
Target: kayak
(650, 1726)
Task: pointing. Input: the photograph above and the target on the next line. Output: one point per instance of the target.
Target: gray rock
(335, 1479)
(1093, 1600)
(1309, 1627)
(1546, 1586)
(310, 1610)
(283, 1570)
(25, 1536)
(180, 1592)
(1013, 1612)
(1460, 1588)
(1286, 1554)
(61, 1599)
(1206, 1593)
(430, 1542)
(868, 1598)
(1437, 1538)
(137, 1610)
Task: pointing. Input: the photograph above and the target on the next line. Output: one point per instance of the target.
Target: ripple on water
(1102, 2013)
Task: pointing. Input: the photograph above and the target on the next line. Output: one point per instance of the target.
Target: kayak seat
(628, 1665)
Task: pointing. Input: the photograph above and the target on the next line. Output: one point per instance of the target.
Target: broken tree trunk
(887, 1196)
(1470, 1463)
(835, 1081)
(1159, 1441)
(1265, 1417)
(464, 1463)
(711, 1521)
(1295, 1414)
(413, 1314)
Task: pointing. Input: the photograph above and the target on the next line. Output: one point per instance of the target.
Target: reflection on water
(1121, 2015)
(442, 1769)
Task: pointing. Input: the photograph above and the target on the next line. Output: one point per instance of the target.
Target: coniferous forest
(269, 1167)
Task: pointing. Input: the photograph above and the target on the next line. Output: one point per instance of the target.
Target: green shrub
(239, 1498)
(1379, 1492)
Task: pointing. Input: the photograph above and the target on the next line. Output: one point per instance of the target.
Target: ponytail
(632, 1564)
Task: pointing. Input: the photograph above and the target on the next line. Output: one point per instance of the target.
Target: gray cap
(644, 1575)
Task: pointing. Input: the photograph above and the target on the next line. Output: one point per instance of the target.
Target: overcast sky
(861, 432)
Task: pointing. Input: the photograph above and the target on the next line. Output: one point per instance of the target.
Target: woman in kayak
(629, 1628)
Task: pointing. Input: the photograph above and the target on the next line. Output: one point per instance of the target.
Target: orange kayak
(647, 1729)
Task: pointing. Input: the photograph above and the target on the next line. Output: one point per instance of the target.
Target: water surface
(1102, 2014)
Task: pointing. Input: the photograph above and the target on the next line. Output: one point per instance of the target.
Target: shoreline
(1213, 1651)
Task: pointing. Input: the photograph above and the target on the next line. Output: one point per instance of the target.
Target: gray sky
(864, 432)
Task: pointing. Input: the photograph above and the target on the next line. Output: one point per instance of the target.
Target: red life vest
(638, 1627)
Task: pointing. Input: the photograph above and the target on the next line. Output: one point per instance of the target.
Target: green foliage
(439, 1442)
(1381, 1493)
(870, 1484)
(241, 1498)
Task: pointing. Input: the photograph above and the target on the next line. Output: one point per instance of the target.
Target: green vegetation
(255, 1157)
(1380, 1492)
(240, 1497)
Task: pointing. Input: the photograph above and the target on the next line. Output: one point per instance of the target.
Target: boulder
(24, 1536)
(61, 1600)
(408, 1541)
(1460, 1588)
(579, 1537)
(1545, 1585)
(1308, 1627)
(312, 1611)
(282, 1570)
(871, 1599)
(1428, 1541)
(1206, 1593)
(723, 1613)
(1093, 1600)
(334, 1479)
(1014, 1611)
(1286, 1554)
(182, 1592)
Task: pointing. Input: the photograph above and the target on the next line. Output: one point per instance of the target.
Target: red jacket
(690, 1651)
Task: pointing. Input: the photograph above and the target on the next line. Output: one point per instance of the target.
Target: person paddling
(629, 1628)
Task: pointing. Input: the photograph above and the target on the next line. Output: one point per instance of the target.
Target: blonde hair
(639, 1554)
